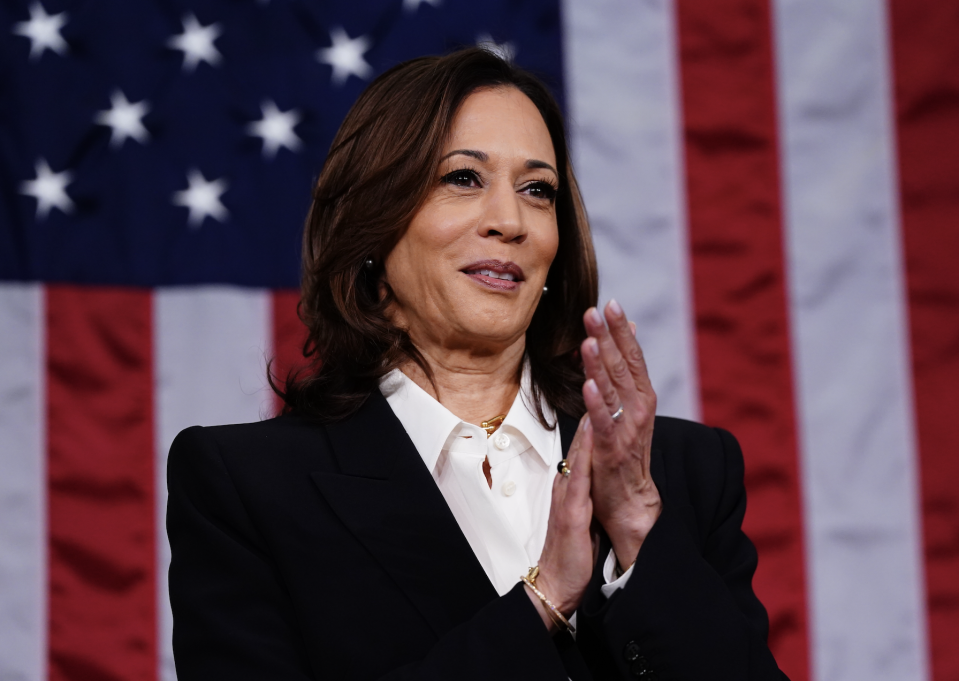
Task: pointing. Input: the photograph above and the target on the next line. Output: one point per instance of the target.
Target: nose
(503, 216)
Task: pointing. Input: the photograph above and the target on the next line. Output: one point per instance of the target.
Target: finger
(559, 491)
(601, 421)
(582, 467)
(616, 367)
(574, 461)
(623, 333)
(572, 456)
(596, 370)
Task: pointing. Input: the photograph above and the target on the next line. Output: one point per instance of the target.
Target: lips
(495, 274)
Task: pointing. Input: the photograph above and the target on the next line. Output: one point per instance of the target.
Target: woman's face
(470, 269)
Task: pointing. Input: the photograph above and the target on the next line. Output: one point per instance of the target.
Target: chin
(499, 324)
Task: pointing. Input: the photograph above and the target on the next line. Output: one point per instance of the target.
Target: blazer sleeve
(688, 610)
(234, 618)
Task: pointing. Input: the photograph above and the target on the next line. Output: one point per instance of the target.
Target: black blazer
(304, 551)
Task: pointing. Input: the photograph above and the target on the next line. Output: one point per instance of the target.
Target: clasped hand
(609, 460)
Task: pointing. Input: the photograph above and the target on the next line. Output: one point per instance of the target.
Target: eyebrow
(472, 153)
(484, 157)
(533, 163)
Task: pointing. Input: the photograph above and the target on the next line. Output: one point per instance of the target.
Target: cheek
(416, 259)
(549, 244)
(435, 230)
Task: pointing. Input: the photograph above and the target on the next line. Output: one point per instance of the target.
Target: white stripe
(849, 325)
(23, 525)
(623, 99)
(211, 344)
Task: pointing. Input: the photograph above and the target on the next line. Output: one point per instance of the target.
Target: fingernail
(592, 347)
(588, 426)
(632, 327)
(594, 316)
(591, 387)
(614, 307)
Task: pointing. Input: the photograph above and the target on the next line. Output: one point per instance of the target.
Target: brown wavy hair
(380, 170)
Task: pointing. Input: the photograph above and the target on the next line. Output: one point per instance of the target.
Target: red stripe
(289, 334)
(742, 329)
(100, 477)
(926, 66)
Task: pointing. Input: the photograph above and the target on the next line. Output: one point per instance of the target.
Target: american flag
(773, 188)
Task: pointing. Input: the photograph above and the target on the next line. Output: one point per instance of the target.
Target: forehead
(501, 121)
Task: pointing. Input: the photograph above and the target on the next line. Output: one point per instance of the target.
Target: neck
(474, 388)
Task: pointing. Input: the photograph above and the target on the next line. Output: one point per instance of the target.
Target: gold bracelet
(531, 576)
(551, 610)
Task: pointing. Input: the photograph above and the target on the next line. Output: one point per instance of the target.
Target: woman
(376, 530)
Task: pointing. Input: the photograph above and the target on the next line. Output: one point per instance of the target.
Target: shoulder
(264, 449)
(698, 445)
(702, 467)
(285, 429)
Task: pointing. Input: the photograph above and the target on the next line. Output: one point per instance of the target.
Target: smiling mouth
(506, 276)
(495, 274)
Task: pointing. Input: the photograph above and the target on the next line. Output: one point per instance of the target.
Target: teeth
(497, 275)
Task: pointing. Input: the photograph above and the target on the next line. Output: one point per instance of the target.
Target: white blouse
(505, 524)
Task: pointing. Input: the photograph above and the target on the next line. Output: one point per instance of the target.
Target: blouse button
(509, 487)
(501, 441)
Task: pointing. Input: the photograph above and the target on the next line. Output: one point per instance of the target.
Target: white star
(125, 119)
(413, 5)
(505, 51)
(202, 198)
(346, 56)
(43, 30)
(276, 129)
(197, 43)
(49, 189)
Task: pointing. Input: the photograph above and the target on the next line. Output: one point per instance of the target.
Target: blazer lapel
(567, 430)
(388, 499)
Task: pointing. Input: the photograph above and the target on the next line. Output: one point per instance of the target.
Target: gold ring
(563, 468)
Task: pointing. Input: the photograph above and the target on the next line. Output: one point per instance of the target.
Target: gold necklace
(491, 425)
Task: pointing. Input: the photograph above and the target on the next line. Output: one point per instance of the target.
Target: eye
(464, 177)
(541, 189)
